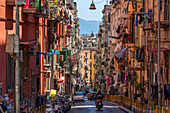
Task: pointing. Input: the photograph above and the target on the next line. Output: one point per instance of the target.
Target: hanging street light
(92, 6)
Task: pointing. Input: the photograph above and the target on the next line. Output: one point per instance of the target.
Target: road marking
(93, 106)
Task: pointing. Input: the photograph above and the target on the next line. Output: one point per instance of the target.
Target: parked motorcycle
(61, 103)
(58, 107)
(67, 104)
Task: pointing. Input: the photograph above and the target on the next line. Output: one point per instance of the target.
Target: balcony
(13, 3)
(148, 26)
(32, 7)
(70, 4)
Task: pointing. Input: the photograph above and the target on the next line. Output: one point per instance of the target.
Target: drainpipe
(17, 67)
(159, 74)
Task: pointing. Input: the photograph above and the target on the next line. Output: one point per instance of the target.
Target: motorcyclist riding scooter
(99, 98)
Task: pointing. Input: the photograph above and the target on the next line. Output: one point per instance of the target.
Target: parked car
(78, 96)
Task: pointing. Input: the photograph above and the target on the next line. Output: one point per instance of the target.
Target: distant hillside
(86, 27)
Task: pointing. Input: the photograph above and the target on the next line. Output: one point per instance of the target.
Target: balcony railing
(13, 2)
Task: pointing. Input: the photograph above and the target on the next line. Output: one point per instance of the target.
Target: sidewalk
(125, 103)
(121, 107)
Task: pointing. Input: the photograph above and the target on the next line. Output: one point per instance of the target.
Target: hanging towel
(27, 4)
(119, 77)
(125, 76)
(115, 79)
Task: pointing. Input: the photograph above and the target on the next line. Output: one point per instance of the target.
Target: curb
(121, 107)
(124, 109)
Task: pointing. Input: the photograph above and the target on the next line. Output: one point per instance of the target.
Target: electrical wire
(99, 2)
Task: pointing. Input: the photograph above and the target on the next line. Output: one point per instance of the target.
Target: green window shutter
(58, 58)
(61, 64)
(38, 5)
(66, 53)
(69, 53)
(63, 53)
(72, 41)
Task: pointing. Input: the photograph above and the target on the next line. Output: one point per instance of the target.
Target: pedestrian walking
(3, 108)
(8, 101)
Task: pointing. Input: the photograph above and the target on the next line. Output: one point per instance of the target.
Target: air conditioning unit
(61, 58)
(12, 44)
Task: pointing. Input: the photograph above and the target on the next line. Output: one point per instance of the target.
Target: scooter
(99, 104)
(58, 107)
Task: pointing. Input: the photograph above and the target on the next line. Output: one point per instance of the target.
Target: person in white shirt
(8, 102)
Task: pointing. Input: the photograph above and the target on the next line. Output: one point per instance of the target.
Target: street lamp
(92, 6)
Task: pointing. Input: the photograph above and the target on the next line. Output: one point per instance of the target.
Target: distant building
(87, 58)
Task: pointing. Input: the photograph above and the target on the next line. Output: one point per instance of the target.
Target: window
(86, 54)
(161, 5)
(10, 63)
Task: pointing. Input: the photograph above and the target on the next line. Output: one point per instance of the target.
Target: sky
(85, 13)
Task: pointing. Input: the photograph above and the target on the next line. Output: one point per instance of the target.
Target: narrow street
(89, 107)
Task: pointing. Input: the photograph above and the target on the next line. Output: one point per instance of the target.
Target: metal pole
(159, 76)
(17, 68)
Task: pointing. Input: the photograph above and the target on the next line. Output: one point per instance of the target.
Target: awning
(27, 43)
(135, 68)
(156, 49)
(120, 54)
(59, 81)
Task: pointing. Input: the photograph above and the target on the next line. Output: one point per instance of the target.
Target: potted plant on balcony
(68, 31)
